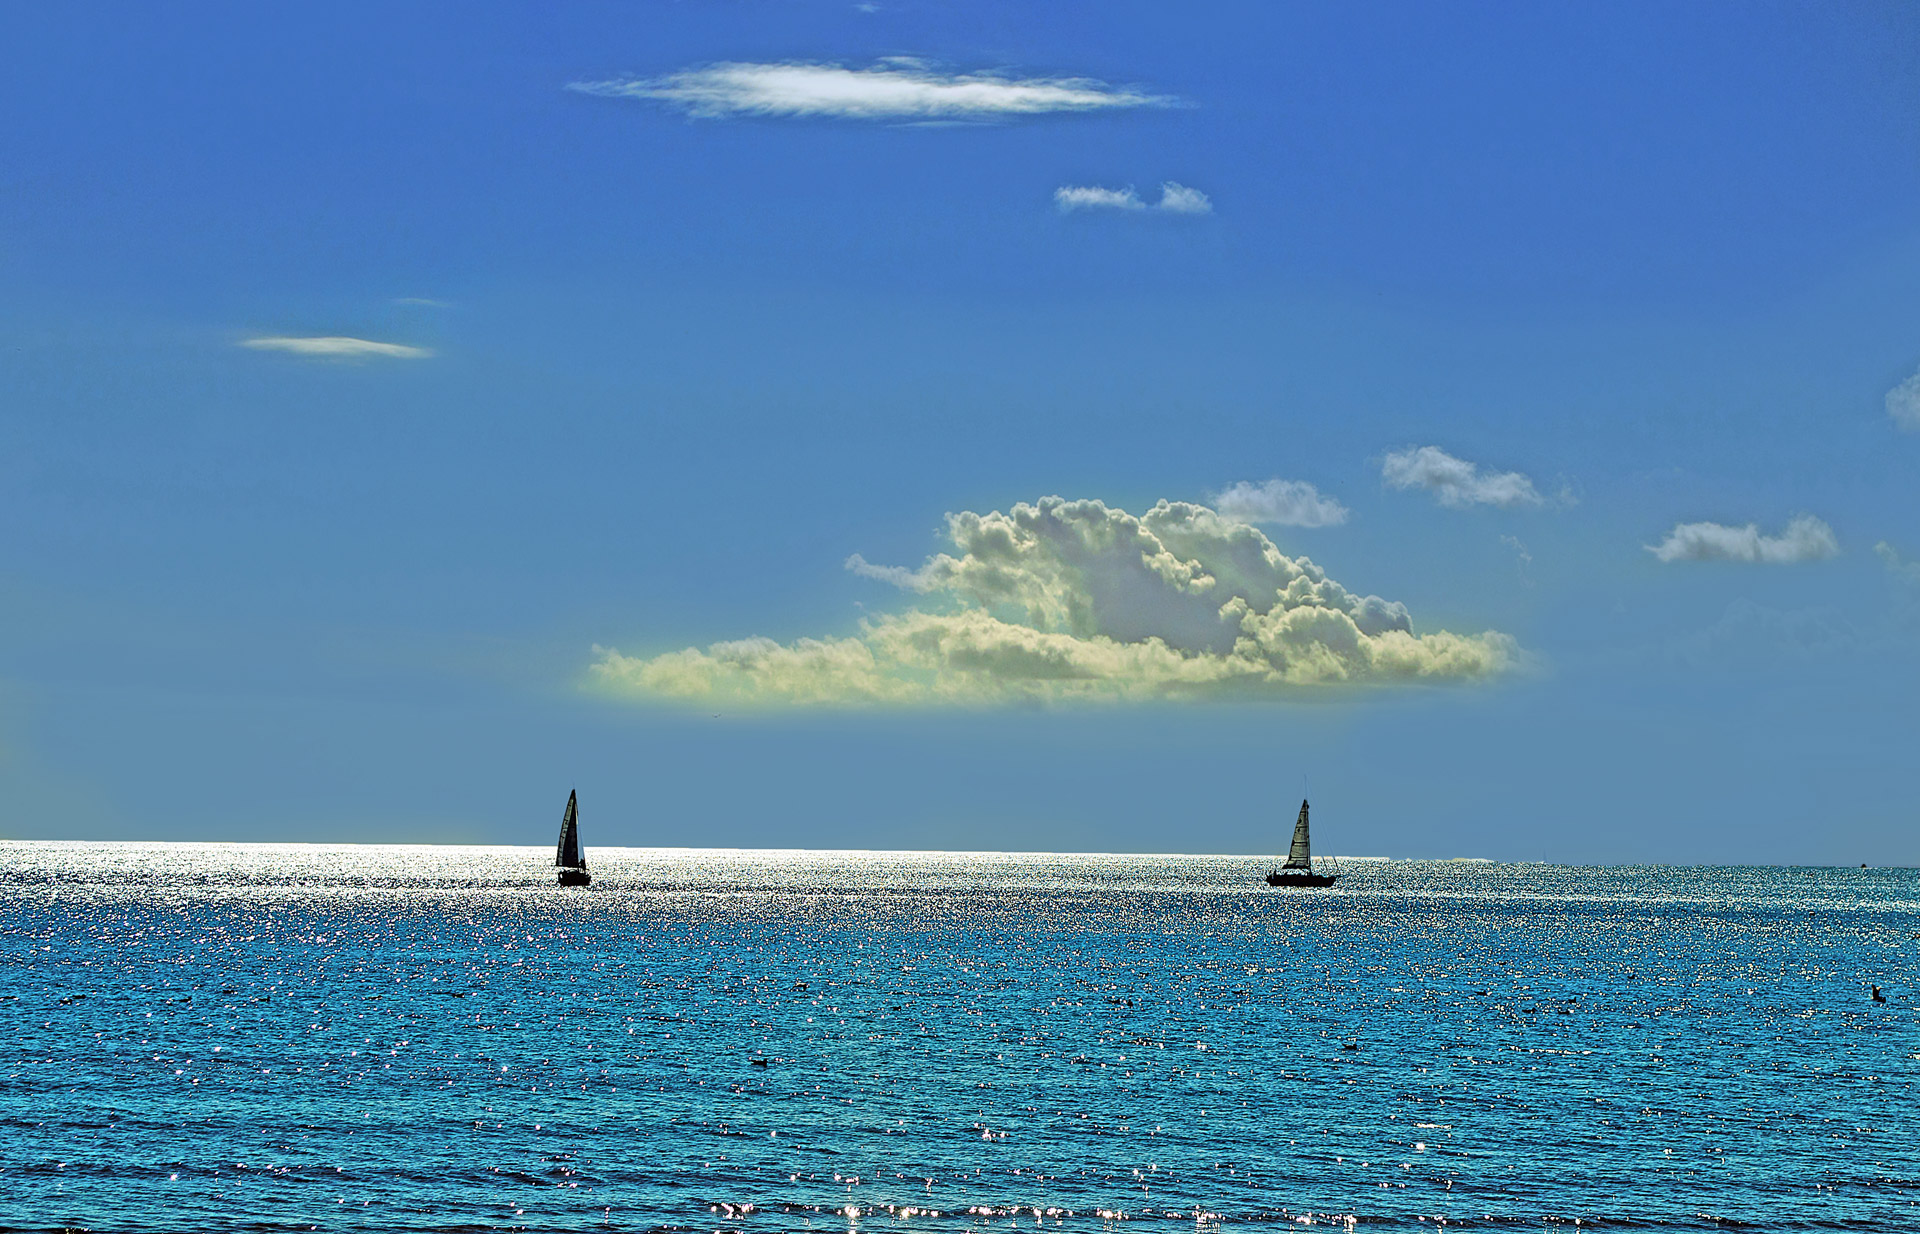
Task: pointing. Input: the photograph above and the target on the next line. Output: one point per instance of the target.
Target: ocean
(400, 1038)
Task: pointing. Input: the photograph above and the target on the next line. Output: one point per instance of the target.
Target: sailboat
(1297, 870)
(572, 862)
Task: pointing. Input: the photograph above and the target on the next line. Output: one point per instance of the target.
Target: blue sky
(1592, 326)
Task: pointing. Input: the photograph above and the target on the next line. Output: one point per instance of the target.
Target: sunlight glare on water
(360, 1037)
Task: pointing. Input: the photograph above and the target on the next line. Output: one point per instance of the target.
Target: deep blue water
(262, 1037)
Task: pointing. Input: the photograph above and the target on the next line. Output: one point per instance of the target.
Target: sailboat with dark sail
(1297, 870)
(572, 862)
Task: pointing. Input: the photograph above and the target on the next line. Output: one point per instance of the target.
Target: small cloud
(1174, 199)
(899, 576)
(898, 88)
(1179, 199)
(1805, 539)
(1900, 568)
(1903, 403)
(1287, 503)
(421, 302)
(336, 347)
(1455, 482)
(1078, 600)
(1092, 197)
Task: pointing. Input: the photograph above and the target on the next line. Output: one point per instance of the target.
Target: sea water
(278, 1037)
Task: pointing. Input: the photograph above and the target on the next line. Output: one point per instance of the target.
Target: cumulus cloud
(1903, 403)
(894, 89)
(1805, 539)
(1456, 482)
(1287, 503)
(337, 347)
(1174, 199)
(1077, 600)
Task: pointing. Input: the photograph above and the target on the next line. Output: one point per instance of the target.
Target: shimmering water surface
(394, 1038)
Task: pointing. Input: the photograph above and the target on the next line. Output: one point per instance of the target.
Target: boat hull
(1292, 879)
(575, 878)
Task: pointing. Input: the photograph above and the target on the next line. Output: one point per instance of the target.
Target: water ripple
(273, 1037)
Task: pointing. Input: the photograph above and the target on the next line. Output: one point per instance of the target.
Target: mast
(1300, 852)
(568, 856)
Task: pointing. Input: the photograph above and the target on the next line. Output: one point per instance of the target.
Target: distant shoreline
(717, 850)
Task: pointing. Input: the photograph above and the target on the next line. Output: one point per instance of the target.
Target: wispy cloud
(1906, 577)
(898, 576)
(894, 89)
(1903, 403)
(1077, 600)
(1179, 199)
(1761, 635)
(1174, 199)
(336, 347)
(1900, 568)
(1456, 482)
(1287, 503)
(1806, 538)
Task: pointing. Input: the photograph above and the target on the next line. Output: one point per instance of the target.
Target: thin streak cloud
(895, 89)
(336, 347)
(1175, 198)
(1071, 197)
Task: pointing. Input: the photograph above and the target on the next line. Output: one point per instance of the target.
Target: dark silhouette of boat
(1297, 870)
(572, 862)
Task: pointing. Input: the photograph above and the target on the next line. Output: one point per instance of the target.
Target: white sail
(1300, 852)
